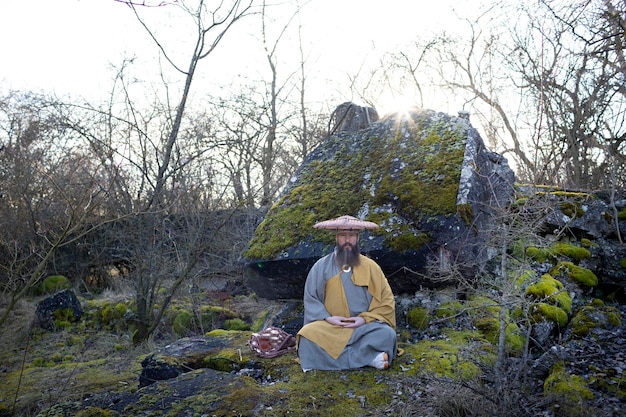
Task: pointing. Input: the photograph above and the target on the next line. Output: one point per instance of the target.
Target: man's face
(347, 239)
(348, 247)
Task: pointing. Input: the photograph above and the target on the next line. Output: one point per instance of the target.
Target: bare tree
(547, 87)
(578, 91)
(400, 75)
(308, 132)
(53, 191)
(163, 257)
(240, 126)
(472, 68)
(263, 133)
(273, 93)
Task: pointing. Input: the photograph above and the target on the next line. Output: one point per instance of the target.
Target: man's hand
(349, 322)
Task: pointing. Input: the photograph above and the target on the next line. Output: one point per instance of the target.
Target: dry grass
(18, 325)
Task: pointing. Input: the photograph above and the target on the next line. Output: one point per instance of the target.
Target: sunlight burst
(396, 104)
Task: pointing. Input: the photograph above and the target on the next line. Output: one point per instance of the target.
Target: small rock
(48, 308)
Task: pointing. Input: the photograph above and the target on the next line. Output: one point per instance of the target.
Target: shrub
(53, 283)
(183, 323)
(236, 324)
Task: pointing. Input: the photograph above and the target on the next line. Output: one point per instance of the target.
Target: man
(349, 308)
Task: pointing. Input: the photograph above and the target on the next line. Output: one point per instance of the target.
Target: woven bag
(271, 342)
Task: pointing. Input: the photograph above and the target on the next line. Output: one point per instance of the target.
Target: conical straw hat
(345, 223)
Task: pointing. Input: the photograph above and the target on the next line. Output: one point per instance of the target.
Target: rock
(541, 332)
(591, 223)
(541, 366)
(349, 117)
(172, 396)
(182, 356)
(606, 255)
(62, 306)
(426, 178)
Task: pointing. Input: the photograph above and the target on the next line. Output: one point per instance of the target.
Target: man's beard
(348, 255)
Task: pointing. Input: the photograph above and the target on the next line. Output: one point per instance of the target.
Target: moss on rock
(557, 249)
(95, 412)
(418, 317)
(450, 357)
(579, 274)
(569, 391)
(513, 339)
(526, 277)
(186, 319)
(595, 316)
(572, 209)
(550, 290)
(572, 251)
(588, 243)
(548, 312)
(64, 318)
(449, 310)
(485, 313)
(540, 255)
(236, 324)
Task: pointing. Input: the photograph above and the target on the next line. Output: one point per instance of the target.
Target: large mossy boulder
(425, 177)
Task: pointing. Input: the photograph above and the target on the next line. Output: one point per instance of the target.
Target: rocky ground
(80, 372)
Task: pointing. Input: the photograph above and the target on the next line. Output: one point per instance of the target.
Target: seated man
(349, 308)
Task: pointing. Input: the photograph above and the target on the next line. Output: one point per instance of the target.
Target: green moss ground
(66, 365)
(42, 368)
(453, 356)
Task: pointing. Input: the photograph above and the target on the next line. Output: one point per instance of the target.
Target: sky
(70, 47)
